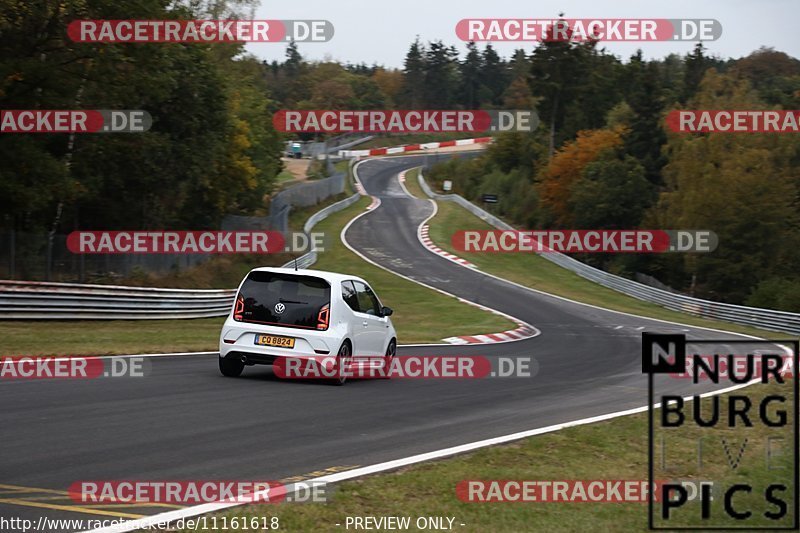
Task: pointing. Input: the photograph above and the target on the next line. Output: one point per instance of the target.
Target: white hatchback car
(305, 314)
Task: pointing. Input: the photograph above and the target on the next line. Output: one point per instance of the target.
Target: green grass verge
(535, 272)
(108, 337)
(611, 450)
(283, 177)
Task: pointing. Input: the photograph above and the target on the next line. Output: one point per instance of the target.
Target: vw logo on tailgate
(280, 308)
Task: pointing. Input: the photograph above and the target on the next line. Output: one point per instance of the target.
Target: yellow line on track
(31, 489)
(69, 508)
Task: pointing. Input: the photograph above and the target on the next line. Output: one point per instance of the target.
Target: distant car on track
(283, 312)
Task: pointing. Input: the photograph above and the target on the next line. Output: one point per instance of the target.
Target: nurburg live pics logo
(740, 448)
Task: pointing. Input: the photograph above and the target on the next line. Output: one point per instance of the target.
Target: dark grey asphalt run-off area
(185, 421)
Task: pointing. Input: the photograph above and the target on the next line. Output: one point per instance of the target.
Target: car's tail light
(323, 317)
(238, 309)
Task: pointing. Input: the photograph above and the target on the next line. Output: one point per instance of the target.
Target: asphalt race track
(185, 421)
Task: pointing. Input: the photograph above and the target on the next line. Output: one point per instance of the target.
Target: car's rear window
(284, 300)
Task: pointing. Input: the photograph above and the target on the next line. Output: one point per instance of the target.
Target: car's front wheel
(230, 367)
(388, 358)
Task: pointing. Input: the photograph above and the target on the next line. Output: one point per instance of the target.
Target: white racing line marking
(197, 510)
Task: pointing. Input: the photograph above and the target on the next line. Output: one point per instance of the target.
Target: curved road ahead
(185, 421)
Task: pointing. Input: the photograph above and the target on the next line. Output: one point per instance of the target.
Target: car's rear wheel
(230, 367)
(343, 363)
(388, 358)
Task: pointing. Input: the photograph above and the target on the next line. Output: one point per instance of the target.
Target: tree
(493, 76)
(294, 61)
(696, 65)
(519, 96)
(645, 137)
(390, 83)
(775, 75)
(743, 187)
(211, 147)
(471, 68)
(555, 66)
(566, 167)
(612, 193)
(414, 76)
(441, 76)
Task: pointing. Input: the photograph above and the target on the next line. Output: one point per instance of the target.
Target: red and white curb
(522, 332)
(412, 147)
(375, 203)
(428, 243)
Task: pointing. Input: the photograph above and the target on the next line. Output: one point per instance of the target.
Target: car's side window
(349, 295)
(367, 300)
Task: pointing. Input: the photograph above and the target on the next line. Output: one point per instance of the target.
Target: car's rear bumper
(239, 339)
(251, 358)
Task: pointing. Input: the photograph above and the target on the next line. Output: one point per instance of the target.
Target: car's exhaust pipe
(243, 359)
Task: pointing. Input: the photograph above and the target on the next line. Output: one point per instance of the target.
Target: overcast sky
(381, 31)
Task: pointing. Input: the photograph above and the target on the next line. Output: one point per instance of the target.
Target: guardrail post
(12, 259)
(48, 257)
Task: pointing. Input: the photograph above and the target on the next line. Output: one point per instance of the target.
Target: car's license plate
(275, 340)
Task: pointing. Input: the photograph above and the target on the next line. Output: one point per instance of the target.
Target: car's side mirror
(386, 311)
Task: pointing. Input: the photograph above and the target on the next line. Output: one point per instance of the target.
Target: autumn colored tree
(566, 167)
(390, 82)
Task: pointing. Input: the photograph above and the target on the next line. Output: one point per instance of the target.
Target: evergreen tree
(494, 75)
(441, 76)
(646, 136)
(414, 76)
(471, 69)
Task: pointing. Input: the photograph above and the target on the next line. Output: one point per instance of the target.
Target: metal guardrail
(35, 300)
(308, 259)
(768, 319)
(39, 300)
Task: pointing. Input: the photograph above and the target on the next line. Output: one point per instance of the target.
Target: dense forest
(211, 150)
(601, 157)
